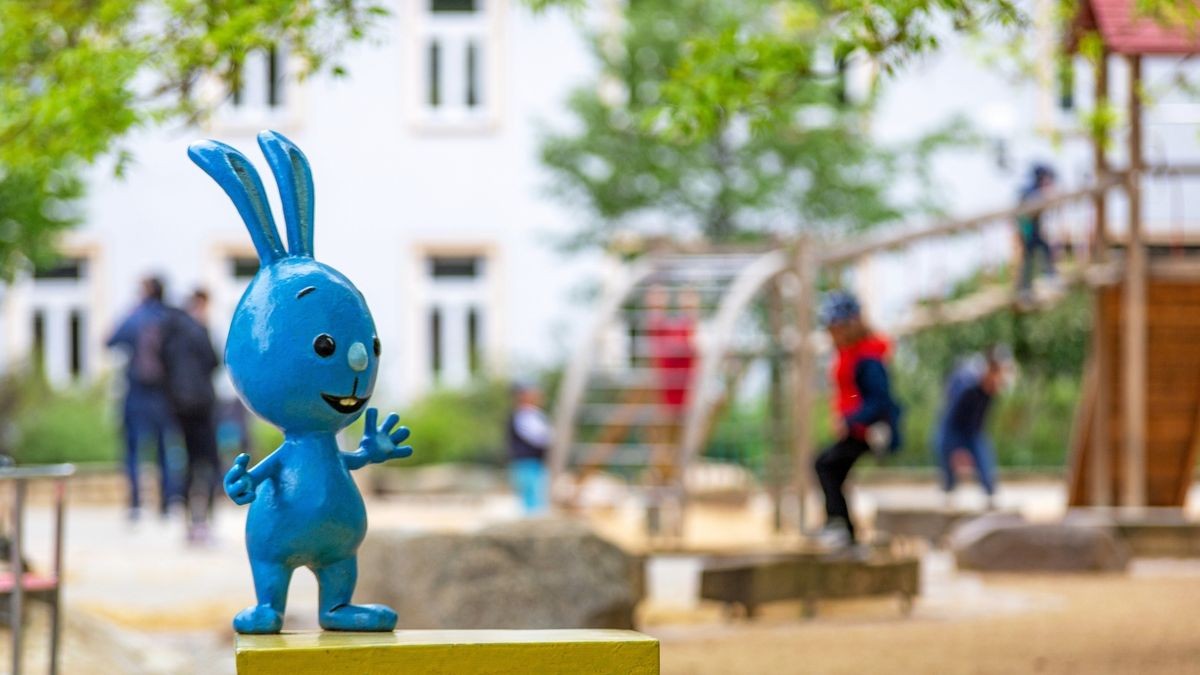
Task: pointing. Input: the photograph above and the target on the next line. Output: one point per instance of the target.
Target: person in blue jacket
(962, 431)
(866, 416)
(146, 416)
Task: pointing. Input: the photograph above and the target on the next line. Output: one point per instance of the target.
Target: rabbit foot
(359, 618)
(258, 619)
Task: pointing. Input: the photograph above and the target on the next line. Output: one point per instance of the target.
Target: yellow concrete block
(457, 652)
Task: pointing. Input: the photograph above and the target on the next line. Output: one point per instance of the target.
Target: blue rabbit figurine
(303, 354)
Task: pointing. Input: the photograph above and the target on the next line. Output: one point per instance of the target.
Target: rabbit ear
(294, 177)
(237, 177)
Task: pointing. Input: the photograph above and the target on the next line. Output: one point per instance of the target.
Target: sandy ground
(139, 601)
(1088, 625)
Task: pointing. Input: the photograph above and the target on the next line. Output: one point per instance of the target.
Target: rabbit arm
(355, 460)
(241, 482)
(379, 443)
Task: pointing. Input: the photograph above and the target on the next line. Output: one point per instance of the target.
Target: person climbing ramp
(866, 416)
(1033, 239)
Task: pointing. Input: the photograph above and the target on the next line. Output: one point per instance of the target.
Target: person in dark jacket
(866, 417)
(528, 444)
(190, 361)
(969, 394)
(146, 414)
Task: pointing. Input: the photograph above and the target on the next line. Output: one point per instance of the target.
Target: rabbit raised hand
(303, 354)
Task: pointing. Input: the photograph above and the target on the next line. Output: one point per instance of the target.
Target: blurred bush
(458, 425)
(77, 424)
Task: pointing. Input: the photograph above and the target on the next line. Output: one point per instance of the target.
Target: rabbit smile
(344, 404)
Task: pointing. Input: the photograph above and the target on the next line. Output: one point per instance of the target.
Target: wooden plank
(457, 652)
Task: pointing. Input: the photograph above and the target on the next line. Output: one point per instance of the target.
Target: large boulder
(1007, 544)
(542, 573)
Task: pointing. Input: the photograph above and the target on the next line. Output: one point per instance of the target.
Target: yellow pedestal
(457, 652)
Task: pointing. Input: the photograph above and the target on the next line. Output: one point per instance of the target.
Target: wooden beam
(864, 246)
(1100, 157)
(1134, 310)
(1100, 455)
(803, 378)
(1189, 461)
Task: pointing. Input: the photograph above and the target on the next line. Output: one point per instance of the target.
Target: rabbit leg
(271, 582)
(336, 582)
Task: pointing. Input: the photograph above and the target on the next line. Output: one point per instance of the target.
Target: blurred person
(962, 429)
(1033, 240)
(671, 337)
(233, 428)
(528, 444)
(190, 361)
(146, 414)
(866, 417)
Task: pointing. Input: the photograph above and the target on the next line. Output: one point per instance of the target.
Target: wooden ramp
(1172, 390)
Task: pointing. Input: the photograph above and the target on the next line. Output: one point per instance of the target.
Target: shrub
(458, 425)
(77, 424)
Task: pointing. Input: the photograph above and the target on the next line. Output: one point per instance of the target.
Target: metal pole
(1134, 487)
(16, 553)
(60, 494)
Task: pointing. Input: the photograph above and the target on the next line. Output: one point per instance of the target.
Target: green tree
(656, 137)
(77, 76)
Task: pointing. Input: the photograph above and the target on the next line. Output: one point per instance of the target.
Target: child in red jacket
(863, 409)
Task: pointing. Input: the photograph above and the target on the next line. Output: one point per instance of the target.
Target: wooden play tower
(1138, 426)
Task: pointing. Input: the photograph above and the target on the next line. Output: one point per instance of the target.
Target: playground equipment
(1138, 430)
(19, 583)
(675, 335)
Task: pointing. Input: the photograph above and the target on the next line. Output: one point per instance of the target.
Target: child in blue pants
(969, 395)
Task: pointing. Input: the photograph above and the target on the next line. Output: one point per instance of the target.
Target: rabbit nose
(357, 356)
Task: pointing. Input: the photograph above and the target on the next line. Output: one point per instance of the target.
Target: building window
(458, 292)
(243, 268)
(76, 346)
(435, 74)
(439, 6)
(64, 268)
(59, 300)
(435, 343)
(472, 75)
(456, 37)
(454, 267)
(38, 348)
(260, 81)
(473, 340)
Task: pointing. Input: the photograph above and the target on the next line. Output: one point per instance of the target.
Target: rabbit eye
(378, 347)
(323, 345)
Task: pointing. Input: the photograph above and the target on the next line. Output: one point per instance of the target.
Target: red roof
(1123, 31)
